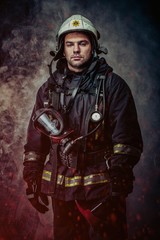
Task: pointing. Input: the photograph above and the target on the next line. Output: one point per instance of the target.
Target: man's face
(77, 50)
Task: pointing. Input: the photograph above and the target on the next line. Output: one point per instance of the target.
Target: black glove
(122, 180)
(32, 174)
(38, 200)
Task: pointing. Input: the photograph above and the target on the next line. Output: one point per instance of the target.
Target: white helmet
(75, 23)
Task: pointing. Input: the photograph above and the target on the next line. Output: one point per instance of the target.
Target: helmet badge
(75, 23)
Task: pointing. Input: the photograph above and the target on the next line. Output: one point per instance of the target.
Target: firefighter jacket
(115, 141)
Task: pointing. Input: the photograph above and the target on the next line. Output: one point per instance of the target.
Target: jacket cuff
(126, 149)
(123, 156)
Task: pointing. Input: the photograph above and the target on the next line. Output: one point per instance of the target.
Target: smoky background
(130, 31)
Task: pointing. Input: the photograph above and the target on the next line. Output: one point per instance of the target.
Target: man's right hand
(32, 173)
(38, 200)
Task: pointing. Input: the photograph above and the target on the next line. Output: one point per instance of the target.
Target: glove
(32, 173)
(38, 200)
(121, 180)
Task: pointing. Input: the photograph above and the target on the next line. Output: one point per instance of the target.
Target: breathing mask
(50, 122)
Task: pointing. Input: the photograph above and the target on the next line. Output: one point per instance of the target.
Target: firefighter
(83, 140)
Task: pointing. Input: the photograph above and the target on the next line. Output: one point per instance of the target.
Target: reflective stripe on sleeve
(126, 149)
(32, 156)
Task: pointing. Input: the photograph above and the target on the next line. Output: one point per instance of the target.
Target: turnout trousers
(74, 221)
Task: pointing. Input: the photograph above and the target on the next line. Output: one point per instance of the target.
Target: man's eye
(69, 44)
(83, 43)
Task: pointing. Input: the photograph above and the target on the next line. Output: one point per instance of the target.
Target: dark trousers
(108, 221)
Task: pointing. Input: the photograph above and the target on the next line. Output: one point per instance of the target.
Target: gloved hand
(32, 173)
(121, 180)
(38, 200)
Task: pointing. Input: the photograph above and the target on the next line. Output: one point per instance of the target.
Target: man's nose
(76, 48)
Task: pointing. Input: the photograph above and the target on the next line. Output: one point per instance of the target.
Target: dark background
(130, 31)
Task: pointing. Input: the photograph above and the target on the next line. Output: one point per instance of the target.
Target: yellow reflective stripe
(46, 175)
(96, 178)
(126, 149)
(118, 148)
(77, 180)
(86, 180)
(73, 181)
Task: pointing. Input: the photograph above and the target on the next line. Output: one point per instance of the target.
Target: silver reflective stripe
(60, 179)
(32, 156)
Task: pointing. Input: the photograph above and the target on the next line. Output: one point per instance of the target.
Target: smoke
(27, 36)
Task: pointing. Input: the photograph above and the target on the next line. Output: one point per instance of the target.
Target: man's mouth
(77, 57)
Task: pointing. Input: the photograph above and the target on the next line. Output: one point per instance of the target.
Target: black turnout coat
(116, 142)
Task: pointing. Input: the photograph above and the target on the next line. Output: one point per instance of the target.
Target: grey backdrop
(130, 31)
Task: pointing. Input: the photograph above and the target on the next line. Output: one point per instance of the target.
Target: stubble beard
(79, 66)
